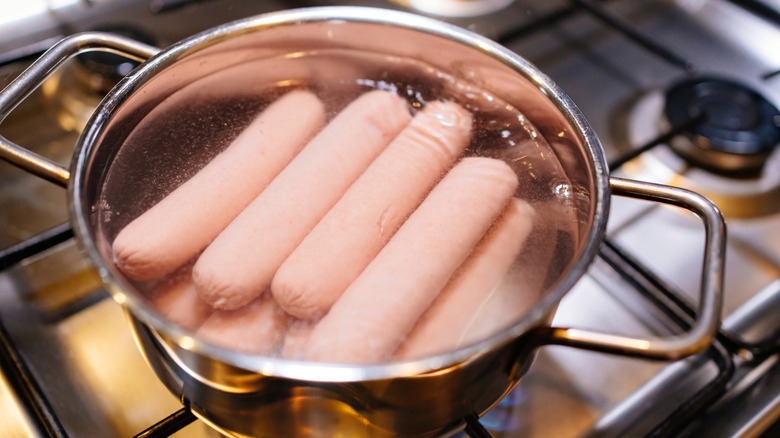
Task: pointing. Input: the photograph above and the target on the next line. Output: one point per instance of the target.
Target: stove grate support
(662, 295)
(770, 75)
(628, 29)
(681, 314)
(169, 425)
(475, 429)
(543, 22)
(759, 9)
(34, 245)
(661, 139)
(26, 386)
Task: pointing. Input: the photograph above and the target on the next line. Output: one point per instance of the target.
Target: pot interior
(180, 109)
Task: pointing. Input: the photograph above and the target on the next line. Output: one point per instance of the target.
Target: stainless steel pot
(249, 395)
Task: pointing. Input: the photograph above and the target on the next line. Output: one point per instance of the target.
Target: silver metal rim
(118, 287)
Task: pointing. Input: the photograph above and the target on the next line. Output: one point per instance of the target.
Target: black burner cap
(736, 128)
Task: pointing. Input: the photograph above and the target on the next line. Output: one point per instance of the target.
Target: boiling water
(193, 125)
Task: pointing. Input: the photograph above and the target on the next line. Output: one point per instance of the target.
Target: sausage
(183, 223)
(297, 336)
(177, 299)
(547, 251)
(448, 324)
(182, 305)
(242, 260)
(258, 327)
(381, 306)
(511, 300)
(370, 212)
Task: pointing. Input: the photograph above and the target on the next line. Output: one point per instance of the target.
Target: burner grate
(760, 9)
(26, 385)
(35, 245)
(682, 314)
(169, 425)
(644, 39)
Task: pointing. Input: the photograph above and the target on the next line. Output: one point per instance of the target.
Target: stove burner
(734, 129)
(738, 195)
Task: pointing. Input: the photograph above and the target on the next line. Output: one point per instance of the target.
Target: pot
(249, 395)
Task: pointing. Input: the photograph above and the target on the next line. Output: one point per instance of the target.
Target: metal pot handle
(39, 71)
(703, 330)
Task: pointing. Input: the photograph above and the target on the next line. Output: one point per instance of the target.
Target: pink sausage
(258, 327)
(525, 282)
(511, 300)
(243, 259)
(297, 336)
(378, 310)
(182, 224)
(370, 212)
(446, 325)
(179, 302)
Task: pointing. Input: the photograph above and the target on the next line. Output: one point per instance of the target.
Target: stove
(680, 92)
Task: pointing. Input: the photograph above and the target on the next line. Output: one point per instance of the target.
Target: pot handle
(39, 71)
(704, 328)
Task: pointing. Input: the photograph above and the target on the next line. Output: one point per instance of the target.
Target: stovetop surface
(77, 344)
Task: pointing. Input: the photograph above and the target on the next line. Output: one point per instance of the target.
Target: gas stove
(679, 92)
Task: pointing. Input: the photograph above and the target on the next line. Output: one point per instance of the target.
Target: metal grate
(169, 425)
(11, 360)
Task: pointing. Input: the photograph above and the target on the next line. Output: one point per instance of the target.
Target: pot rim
(118, 287)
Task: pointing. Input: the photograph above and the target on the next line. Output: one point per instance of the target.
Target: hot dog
(258, 327)
(449, 323)
(370, 212)
(296, 338)
(177, 299)
(381, 306)
(242, 260)
(547, 251)
(182, 224)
